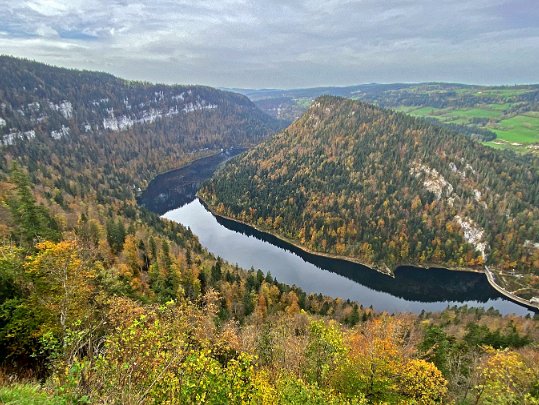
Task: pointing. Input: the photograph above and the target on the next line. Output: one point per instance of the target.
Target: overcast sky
(279, 43)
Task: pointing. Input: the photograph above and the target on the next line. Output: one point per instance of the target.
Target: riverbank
(386, 270)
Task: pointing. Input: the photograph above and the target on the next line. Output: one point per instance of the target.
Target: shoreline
(388, 272)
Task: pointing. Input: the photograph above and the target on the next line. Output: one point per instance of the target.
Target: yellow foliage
(504, 378)
(423, 382)
(63, 282)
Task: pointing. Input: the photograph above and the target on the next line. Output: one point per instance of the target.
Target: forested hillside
(383, 188)
(103, 302)
(75, 121)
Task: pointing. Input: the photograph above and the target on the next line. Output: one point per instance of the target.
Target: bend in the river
(412, 289)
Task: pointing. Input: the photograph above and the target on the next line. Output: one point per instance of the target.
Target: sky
(280, 43)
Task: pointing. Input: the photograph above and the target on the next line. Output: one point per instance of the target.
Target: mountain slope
(43, 98)
(354, 180)
(77, 121)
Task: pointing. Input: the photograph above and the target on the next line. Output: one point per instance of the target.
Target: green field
(461, 115)
(518, 132)
(489, 113)
(521, 128)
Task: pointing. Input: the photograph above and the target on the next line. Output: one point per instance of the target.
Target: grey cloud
(260, 43)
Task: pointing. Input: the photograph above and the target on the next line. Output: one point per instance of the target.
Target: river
(411, 290)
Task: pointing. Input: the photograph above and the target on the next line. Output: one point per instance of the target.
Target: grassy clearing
(448, 119)
(533, 114)
(519, 129)
(27, 394)
(457, 116)
(488, 113)
(496, 145)
(404, 109)
(501, 107)
(505, 92)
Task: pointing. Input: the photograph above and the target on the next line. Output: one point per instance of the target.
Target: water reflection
(412, 289)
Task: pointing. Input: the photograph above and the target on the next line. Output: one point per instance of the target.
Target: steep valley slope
(77, 122)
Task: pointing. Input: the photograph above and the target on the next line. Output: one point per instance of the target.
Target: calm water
(178, 187)
(411, 290)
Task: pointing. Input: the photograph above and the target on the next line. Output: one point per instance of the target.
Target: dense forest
(354, 180)
(102, 301)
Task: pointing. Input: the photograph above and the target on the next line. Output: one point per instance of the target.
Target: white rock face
(473, 234)
(34, 107)
(477, 195)
(59, 134)
(149, 116)
(112, 123)
(531, 244)
(66, 109)
(437, 184)
(433, 181)
(159, 96)
(470, 168)
(119, 123)
(455, 169)
(10, 138)
(101, 101)
(3, 123)
(199, 105)
(122, 122)
(179, 97)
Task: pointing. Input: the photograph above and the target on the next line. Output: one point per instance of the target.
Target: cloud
(256, 43)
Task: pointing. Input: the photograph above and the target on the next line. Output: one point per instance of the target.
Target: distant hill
(507, 117)
(351, 179)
